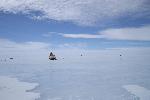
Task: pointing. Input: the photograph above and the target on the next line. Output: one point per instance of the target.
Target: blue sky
(90, 24)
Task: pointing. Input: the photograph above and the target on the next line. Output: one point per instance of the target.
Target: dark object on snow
(81, 55)
(120, 55)
(52, 56)
(11, 58)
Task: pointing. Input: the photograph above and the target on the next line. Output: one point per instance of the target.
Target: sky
(74, 24)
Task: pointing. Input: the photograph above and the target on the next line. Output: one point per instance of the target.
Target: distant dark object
(52, 56)
(11, 58)
(81, 55)
(63, 58)
(120, 55)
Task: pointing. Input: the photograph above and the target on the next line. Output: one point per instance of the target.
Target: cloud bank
(26, 49)
(10, 45)
(24, 52)
(141, 33)
(81, 12)
(138, 34)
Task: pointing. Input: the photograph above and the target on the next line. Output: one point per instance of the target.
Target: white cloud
(50, 34)
(86, 36)
(139, 34)
(82, 12)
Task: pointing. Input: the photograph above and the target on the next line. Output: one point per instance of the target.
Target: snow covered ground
(12, 89)
(138, 91)
(97, 75)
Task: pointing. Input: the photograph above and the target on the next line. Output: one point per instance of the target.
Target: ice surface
(12, 89)
(97, 75)
(141, 92)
